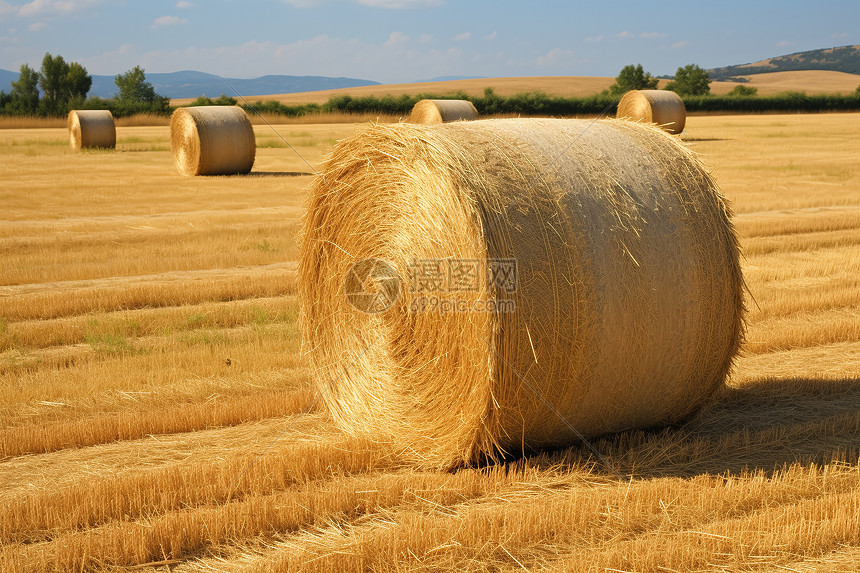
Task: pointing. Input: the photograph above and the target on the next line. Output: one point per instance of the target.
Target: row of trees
(690, 80)
(541, 104)
(59, 86)
(62, 85)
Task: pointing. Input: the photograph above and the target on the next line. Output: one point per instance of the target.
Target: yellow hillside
(812, 82)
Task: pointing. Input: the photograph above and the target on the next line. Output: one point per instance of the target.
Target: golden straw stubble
(212, 140)
(91, 128)
(558, 278)
(662, 107)
(431, 111)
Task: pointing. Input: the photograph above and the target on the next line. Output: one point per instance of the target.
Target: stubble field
(155, 411)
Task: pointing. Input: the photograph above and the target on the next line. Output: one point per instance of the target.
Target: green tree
(133, 87)
(78, 83)
(632, 78)
(690, 80)
(743, 91)
(136, 95)
(24, 98)
(224, 99)
(857, 91)
(53, 81)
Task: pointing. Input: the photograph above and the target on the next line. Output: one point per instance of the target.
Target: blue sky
(406, 40)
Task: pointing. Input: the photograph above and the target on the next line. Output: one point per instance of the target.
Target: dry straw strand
(91, 128)
(431, 111)
(662, 107)
(628, 304)
(212, 140)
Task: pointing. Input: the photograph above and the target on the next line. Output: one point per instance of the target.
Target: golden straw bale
(623, 308)
(430, 111)
(212, 140)
(662, 107)
(91, 128)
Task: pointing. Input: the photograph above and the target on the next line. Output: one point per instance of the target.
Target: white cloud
(463, 36)
(53, 7)
(35, 8)
(123, 58)
(623, 34)
(401, 4)
(491, 36)
(182, 5)
(36, 26)
(593, 39)
(555, 56)
(396, 38)
(652, 35)
(680, 44)
(840, 36)
(168, 21)
(783, 43)
(425, 38)
(6, 8)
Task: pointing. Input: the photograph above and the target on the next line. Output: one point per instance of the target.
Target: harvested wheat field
(158, 413)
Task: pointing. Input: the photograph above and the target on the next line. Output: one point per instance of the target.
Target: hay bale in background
(628, 300)
(430, 111)
(662, 107)
(91, 128)
(212, 140)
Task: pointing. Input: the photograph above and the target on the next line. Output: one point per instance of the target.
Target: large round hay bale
(91, 128)
(585, 276)
(430, 111)
(212, 140)
(662, 107)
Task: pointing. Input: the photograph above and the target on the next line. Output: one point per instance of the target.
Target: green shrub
(743, 91)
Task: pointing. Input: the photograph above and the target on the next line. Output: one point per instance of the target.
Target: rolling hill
(841, 59)
(812, 82)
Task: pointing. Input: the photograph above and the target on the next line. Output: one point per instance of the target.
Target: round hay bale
(586, 281)
(91, 128)
(212, 140)
(662, 107)
(430, 111)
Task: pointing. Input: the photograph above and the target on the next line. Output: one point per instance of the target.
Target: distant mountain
(188, 83)
(842, 59)
(6, 79)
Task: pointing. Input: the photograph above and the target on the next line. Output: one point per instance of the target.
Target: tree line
(60, 86)
(689, 80)
(691, 83)
(544, 105)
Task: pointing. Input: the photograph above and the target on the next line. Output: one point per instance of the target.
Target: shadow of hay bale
(759, 427)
